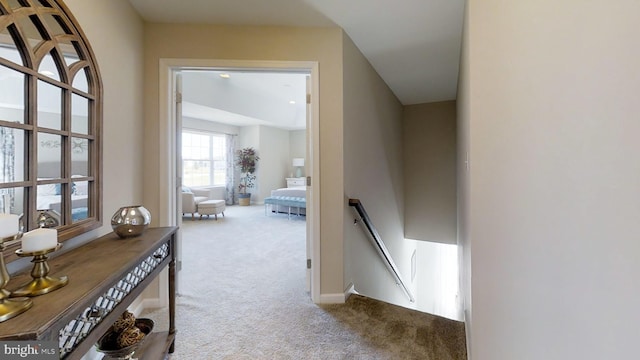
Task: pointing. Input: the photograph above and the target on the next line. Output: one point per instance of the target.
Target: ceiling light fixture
(292, 102)
(225, 76)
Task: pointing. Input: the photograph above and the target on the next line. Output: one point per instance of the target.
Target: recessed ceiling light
(225, 76)
(47, 73)
(292, 102)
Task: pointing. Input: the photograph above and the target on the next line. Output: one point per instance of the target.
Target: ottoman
(211, 207)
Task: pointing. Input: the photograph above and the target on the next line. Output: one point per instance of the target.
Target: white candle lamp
(39, 240)
(9, 308)
(38, 243)
(8, 225)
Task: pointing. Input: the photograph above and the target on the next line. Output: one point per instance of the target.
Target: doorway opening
(199, 95)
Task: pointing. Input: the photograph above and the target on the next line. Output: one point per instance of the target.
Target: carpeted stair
(407, 333)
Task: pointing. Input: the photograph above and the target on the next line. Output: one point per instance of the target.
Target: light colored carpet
(243, 297)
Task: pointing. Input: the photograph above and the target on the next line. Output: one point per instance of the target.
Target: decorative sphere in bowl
(129, 336)
(109, 345)
(130, 221)
(125, 320)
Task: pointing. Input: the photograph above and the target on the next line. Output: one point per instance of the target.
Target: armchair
(191, 197)
(190, 200)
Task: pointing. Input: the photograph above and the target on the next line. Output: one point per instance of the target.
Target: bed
(296, 191)
(49, 197)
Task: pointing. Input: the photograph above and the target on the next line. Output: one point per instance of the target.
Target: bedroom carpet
(243, 296)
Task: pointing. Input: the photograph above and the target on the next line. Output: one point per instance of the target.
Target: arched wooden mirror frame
(50, 118)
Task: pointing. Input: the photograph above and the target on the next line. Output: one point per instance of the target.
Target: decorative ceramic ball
(130, 336)
(126, 320)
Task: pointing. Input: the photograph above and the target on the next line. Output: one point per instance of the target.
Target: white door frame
(167, 143)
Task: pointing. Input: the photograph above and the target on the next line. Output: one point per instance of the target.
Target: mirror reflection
(79, 157)
(8, 49)
(79, 206)
(48, 68)
(54, 24)
(49, 106)
(12, 201)
(79, 115)
(50, 192)
(29, 29)
(80, 81)
(49, 156)
(69, 52)
(12, 159)
(12, 95)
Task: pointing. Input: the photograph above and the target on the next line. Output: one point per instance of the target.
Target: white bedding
(53, 201)
(48, 195)
(299, 191)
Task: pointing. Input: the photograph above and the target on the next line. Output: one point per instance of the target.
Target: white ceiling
(245, 98)
(413, 44)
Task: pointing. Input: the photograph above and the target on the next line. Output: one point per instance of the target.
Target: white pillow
(48, 189)
(81, 188)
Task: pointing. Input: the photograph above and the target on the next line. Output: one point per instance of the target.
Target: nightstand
(291, 182)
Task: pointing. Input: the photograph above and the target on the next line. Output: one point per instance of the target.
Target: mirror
(50, 120)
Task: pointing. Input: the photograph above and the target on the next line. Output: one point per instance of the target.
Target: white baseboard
(338, 298)
(139, 306)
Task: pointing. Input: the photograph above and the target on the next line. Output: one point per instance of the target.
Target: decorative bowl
(107, 343)
(130, 221)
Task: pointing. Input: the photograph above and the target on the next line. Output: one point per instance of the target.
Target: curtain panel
(231, 178)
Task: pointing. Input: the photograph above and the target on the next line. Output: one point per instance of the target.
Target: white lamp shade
(298, 161)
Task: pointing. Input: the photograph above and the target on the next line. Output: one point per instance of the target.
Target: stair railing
(378, 244)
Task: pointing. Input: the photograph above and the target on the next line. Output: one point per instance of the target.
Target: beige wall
(274, 161)
(429, 154)
(115, 33)
(261, 43)
(373, 174)
(552, 117)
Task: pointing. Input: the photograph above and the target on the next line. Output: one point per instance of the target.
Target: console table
(105, 276)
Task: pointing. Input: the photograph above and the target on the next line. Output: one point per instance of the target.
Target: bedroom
(232, 110)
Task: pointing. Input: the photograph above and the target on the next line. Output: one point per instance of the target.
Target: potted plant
(246, 160)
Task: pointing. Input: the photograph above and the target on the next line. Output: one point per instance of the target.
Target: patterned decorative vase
(130, 221)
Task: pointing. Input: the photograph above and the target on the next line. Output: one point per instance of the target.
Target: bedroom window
(203, 159)
(50, 118)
